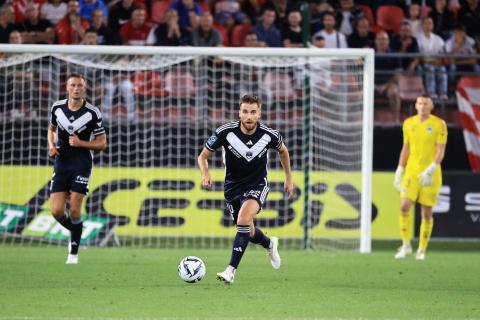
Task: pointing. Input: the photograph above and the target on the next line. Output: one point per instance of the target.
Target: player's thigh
(410, 187)
(428, 196)
(248, 211)
(76, 200)
(58, 201)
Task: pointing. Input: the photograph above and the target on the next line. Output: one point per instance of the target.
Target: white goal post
(159, 106)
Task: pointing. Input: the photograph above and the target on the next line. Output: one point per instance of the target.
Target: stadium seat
(410, 87)
(158, 10)
(389, 18)
(239, 33)
(279, 85)
(179, 84)
(148, 83)
(224, 32)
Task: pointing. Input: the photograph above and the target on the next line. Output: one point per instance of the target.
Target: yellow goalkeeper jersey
(423, 137)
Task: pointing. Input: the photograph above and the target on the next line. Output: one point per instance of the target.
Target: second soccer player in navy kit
(75, 130)
(245, 145)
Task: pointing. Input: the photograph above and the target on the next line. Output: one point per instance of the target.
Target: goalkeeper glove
(397, 181)
(426, 176)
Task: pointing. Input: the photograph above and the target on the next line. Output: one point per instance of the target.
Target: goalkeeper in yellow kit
(418, 177)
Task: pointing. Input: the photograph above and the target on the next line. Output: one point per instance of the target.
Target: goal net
(159, 106)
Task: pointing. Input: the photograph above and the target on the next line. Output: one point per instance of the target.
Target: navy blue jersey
(85, 122)
(245, 156)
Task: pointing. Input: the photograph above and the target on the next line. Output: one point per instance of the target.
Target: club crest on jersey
(212, 139)
(429, 129)
(249, 155)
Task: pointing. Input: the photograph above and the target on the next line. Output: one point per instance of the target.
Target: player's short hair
(76, 75)
(250, 99)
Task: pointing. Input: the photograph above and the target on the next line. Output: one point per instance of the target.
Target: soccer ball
(191, 269)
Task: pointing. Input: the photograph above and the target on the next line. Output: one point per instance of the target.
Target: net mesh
(158, 111)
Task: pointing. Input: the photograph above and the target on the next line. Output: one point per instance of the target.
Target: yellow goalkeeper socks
(425, 232)
(405, 230)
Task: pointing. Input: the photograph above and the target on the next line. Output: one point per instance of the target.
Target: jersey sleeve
(97, 125)
(442, 133)
(277, 141)
(406, 138)
(214, 142)
(53, 117)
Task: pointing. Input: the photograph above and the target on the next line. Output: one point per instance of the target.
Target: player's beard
(250, 126)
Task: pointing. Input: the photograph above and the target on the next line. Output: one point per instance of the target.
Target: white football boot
(273, 253)
(227, 276)
(72, 259)
(420, 255)
(403, 251)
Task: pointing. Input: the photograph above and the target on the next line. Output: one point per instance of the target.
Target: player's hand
(53, 151)
(426, 176)
(288, 188)
(397, 181)
(74, 140)
(207, 182)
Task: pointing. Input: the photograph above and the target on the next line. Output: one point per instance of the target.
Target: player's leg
(408, 194)
(76, 200)
(246, 213)
(58, 202)
(425, 231)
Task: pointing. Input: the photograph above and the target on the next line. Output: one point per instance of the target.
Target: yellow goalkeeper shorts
(411, 189)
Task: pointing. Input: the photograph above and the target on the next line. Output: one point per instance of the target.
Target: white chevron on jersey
(246, 152)
(71, 127)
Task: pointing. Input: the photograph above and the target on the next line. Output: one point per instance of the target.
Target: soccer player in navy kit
(245, 145)
(75, 130)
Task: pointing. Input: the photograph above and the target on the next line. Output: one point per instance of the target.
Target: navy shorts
(70, 181)
(259, 194)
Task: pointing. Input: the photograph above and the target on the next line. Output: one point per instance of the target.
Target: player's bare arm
(285, 161)
(98, 144)
(440, 153)
(203, 165)
(402, 163)
(52, 138)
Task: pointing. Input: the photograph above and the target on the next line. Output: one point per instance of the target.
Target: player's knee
(405, 207)
(75, 213)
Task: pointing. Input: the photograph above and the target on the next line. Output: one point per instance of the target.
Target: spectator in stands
(136, 30)
(120, 13)
(281, 9)
(34, 29)
(251, 40)
(205, 35)
(105, 35)
(443, 19)
(413, 16)
(188, 13)
(460, 43)
(7, 24)
(266, 30)
(333, 38)
(434, 70)
(386, 78)
(71, 28)
(347, 16)
(292, 34)
(318, 9)
(169, 33)
(15, 37)
(469, 16)
(318, 42)
(53, 11)
(88, 6)
(91, 37)
(404, 42)
(362, 37)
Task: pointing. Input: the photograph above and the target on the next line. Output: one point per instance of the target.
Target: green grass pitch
(142, 284)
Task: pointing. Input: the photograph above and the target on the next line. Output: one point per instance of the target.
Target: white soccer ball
(191, 269)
